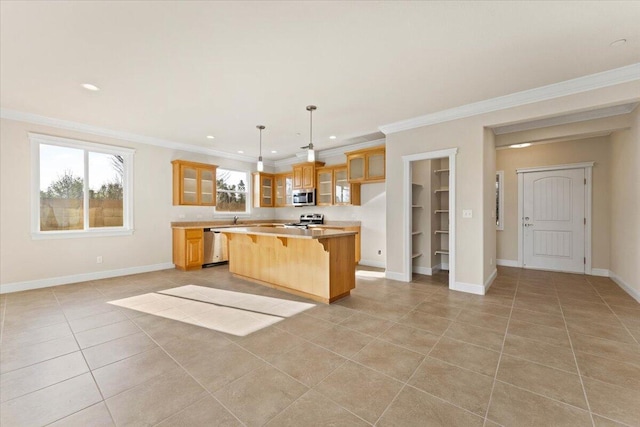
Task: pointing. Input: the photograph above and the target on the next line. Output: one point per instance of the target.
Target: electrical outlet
(99, 259)
(467, 213)
(181, 216)
(379, 252)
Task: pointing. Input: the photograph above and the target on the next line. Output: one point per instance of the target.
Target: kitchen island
(314, 263)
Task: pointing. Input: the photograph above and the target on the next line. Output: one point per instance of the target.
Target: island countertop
(297, 233)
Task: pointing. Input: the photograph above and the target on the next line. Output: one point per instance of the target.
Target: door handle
(528, 225)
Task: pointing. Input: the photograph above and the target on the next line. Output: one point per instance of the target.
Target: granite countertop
(248, 223)
(297, 233)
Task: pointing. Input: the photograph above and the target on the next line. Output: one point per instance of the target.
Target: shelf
(441, 211)
(416, 185)
(415, 233)
(417, 206)
(442, 252)
(441, 232)
(441, 171)
(416, 255)
(441, 190)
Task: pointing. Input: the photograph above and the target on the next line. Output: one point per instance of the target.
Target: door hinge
(585, 181)
(585, 221)
(584, 260)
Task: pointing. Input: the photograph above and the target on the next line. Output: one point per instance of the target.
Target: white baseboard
(602, 272)
(393, 275)
(635, 294)
(471, 288)
(490, 279)
(65, 280)
(507, 262)
(372, 263)
(423, 270)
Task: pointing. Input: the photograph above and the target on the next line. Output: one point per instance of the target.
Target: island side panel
(298, 264)
(342, 266)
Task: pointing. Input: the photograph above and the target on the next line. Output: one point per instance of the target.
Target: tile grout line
(504, 340)
(614, 313)
(575, 359)
(95, 383)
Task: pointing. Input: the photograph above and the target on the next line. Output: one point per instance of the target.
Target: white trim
(394, 275)
(127, 228)
(490, 279)
(601, 272)
(423, 270)
(588, 208)
(471, 288)
(124, 136)
(507, 262)
(587, 83)
(582, 165)
(372, 263)
(75, 278)
(635, 294)
(406, 208)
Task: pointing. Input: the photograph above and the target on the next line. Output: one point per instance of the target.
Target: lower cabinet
(188, 248)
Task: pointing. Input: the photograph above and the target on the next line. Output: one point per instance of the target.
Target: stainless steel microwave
(304, 197)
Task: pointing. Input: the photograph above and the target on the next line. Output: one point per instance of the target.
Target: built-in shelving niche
(430, 216)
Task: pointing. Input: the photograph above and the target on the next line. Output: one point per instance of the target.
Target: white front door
(554, 220)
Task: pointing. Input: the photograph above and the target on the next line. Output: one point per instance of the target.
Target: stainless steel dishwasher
(215, 248)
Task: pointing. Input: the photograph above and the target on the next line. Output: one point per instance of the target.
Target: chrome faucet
(235, 219)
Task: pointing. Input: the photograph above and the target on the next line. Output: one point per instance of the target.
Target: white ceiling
(179, 71)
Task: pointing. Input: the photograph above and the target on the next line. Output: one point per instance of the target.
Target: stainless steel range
(306, 220)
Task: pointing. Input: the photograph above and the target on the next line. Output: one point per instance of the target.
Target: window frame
(127, 154)
(500, 200)
(248, 201)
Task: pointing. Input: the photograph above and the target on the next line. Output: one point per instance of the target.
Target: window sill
(110, 232)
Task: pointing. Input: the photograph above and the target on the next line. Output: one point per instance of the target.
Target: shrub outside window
(232, 194)
(80, 189)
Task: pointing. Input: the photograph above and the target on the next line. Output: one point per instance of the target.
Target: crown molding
(125, 136)
(330, 152)
(608, 78)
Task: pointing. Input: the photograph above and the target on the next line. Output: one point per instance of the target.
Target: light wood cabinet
(333, 187)
(263, 187)
(367, 165)
(304, 175)
(188, 248)
(194, 183)
(283, 189)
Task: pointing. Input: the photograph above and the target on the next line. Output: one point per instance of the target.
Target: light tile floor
(541, 349)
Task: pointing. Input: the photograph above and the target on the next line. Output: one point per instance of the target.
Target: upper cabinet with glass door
(284, 189)
(367, 165)
(194, 183)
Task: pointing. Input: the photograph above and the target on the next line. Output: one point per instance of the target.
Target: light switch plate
(467, 213)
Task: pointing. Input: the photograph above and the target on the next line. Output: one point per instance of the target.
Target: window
(500, 200)
(232, 192)
(80, 189)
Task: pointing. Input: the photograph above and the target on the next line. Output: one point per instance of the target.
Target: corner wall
(625, 207)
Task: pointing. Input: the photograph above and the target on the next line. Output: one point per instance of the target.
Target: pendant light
(260, 164)
(311, 154)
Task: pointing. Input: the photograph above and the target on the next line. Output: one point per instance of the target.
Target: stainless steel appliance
(304, 197)
(306, 220)
(215, 248)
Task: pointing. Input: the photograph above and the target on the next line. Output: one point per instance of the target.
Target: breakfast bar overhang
(313, 263)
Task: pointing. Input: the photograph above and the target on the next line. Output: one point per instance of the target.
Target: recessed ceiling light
(332, 137)
(526, 144)
(210, 137)
(618, 42)
(240, 152)
(273, 151)
(89, 86)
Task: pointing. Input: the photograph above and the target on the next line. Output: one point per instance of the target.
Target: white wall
(625, 207)
(473, 250)
(26, 263)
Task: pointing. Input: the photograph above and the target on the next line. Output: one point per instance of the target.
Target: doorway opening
(434, 202)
